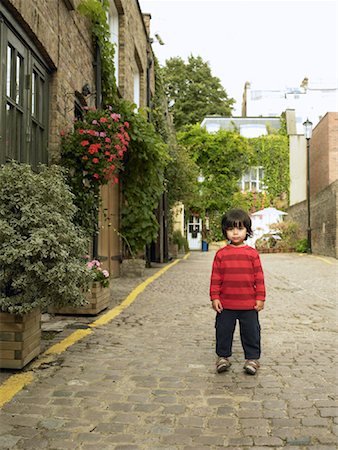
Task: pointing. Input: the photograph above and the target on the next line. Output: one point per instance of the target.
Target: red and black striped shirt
(237, 278)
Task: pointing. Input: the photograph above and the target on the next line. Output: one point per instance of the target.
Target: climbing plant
(96, 11)
(142, 180)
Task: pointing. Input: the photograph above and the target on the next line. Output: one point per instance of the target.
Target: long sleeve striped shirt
(237, 278)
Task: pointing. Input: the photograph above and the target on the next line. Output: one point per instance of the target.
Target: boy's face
(236, 235)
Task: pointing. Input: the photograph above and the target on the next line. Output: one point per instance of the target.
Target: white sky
(271, 43)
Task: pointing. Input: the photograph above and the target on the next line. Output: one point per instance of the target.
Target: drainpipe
(98, 104)
(149, 64)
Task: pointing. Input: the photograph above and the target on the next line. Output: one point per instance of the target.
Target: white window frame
(114, 26)
(137, 86)
(252, 180)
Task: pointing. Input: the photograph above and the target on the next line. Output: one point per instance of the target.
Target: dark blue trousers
(250, 332)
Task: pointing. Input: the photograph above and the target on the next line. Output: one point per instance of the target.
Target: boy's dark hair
(236, 218)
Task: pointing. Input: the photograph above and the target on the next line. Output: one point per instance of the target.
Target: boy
(237, 291)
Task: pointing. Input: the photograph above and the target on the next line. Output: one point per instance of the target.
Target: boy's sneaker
(222, 364)
(251, 366)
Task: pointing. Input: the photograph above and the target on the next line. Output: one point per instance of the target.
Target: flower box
(98, 298)
(20, 337)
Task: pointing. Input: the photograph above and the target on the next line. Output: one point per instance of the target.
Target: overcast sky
(271, 43)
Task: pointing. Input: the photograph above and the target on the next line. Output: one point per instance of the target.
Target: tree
(181, 171)
(222, 157)
(193, 92)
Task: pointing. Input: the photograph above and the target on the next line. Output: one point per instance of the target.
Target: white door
(194, 234)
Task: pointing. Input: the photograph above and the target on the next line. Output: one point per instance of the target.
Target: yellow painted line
(317, 257)
(110, 315)
(67, 342)
(13, 385)
(323, 259)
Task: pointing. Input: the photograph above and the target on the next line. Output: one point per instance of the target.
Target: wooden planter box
(20, 337)
(98, 298)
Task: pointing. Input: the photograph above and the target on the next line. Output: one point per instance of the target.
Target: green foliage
(96, 11)
(301, 246)
(221, 157)
(272, 152)
(193, 92)
(178, 239)
(181, 172)
(41, 250)
(142, 179)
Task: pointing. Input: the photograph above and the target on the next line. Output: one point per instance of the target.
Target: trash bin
(205, 246)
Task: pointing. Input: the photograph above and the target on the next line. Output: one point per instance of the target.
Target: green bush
(180, 240)
(301, 246)
(41, 250)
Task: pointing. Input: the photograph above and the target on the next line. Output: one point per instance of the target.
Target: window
(24, 101)
(252, 180)
(137, 81)
(113, 20)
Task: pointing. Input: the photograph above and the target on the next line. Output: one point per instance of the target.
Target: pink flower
(96, 160)
(115, 117)
(95, 122)
(105, 273)
(96, 175)
(103, 119)
(126, 124)
(81, 131)
(84, 143)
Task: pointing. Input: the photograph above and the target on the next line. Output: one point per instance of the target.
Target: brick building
(323, 186)
(49, 72)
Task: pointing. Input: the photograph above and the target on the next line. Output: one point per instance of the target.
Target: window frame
(33, 145)
(248, 178)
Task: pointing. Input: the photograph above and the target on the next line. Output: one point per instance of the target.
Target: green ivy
(142, 180)
(272, 152)
(96, 11)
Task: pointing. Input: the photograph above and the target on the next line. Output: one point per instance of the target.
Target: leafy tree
(181, 171)
(222, 157)
(193, 92)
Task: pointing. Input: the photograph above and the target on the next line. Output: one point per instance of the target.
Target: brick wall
(324, 153)
(64, 40)
(324, 220)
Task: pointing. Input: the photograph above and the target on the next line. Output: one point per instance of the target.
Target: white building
(312, 99)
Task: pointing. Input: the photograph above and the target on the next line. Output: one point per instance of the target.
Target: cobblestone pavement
(147, 379)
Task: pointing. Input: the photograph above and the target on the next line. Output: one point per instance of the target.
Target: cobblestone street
(147, 380)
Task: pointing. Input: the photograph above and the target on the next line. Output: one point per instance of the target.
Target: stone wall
(134, 51)
(324, 220)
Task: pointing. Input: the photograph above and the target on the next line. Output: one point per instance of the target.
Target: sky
(273, 44)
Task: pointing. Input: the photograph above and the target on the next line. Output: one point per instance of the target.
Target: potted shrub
(179, 243)
(41, 256)
(97, 294)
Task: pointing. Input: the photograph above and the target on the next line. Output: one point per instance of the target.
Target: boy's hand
(259, 305)
(217, 305)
